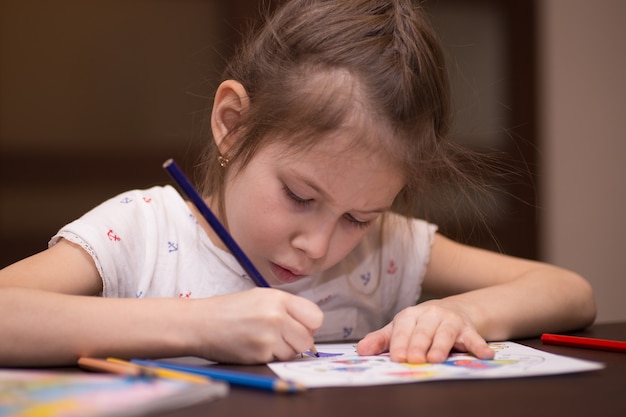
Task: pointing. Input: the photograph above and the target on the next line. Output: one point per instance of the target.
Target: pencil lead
(314, 351)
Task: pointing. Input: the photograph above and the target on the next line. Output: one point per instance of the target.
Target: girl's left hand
(427, 332)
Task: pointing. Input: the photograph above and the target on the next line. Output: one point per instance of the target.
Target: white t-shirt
(147, 243)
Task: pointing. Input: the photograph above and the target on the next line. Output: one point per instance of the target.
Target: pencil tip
(314, 351)
(288, 387)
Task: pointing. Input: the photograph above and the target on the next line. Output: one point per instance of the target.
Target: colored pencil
(102, 365)
(584, 342)
(162, 372)
(243, 379)
(190, 192)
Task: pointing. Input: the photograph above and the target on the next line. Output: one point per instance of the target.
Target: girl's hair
(315, 63)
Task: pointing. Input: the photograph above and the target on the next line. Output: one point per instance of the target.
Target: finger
(375, 342)
(284, 351)
(411, 337)
(305, 312)
(442, 343)
(296, 338)
(281, 340)
(304, 319)
(473, 343)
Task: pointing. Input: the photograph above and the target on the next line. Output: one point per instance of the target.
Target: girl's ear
(231, 102)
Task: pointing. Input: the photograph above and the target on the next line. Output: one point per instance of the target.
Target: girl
(329, 125)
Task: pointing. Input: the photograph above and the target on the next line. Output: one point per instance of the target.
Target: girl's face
(299, 213)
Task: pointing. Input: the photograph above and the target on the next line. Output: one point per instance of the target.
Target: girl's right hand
(256, 326)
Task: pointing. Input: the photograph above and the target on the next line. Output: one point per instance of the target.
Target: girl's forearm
(547, 299)
(45, 329)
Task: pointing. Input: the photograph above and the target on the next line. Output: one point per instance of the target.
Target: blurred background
(95, 95)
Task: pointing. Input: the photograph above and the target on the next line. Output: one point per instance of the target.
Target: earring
(223, 161)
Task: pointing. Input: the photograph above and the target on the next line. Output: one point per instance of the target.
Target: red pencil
(584, 342)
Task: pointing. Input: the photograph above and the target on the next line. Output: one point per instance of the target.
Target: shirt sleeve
(117, 235)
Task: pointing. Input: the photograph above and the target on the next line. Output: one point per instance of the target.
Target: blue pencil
(243, 379)
(190, 192)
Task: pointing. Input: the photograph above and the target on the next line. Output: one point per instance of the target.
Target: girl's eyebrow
(325, 195)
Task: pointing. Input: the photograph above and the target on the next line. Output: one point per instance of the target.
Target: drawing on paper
(340, 365)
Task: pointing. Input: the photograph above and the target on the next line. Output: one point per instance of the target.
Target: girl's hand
(426, 332)
(255, 326)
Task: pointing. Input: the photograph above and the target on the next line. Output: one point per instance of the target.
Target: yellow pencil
(162, 373)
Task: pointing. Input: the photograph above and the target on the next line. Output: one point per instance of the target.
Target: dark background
(95, 95)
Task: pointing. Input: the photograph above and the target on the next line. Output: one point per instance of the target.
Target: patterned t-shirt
(147, 243)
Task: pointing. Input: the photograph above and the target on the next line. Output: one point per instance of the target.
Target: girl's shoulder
(130, 234)
(162, 197)
(127, 221)
(136, 206)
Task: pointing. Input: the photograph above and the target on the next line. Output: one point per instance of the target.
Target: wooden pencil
(190, 192)
(243, 379)
(102, 365)
(162, 372)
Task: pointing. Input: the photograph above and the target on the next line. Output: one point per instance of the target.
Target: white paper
(346, 368)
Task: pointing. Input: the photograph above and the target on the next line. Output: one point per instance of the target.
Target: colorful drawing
(473, 363)
(340, 365)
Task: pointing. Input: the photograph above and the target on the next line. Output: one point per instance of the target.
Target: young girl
(329, 126)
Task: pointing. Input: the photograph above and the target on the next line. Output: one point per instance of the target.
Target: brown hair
(398, 76)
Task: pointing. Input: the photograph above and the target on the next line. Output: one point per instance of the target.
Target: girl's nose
(314, 241)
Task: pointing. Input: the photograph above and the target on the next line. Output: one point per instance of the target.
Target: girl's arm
(485, 296)
(509, 297)
(50, 316)
(43, 328)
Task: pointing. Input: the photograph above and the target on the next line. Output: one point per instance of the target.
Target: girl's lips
(285, 275)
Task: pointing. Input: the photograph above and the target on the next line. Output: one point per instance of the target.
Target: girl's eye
(303, 202)
(356, 222)
(295, 198)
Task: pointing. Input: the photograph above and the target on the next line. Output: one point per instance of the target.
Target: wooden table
(589, 394)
